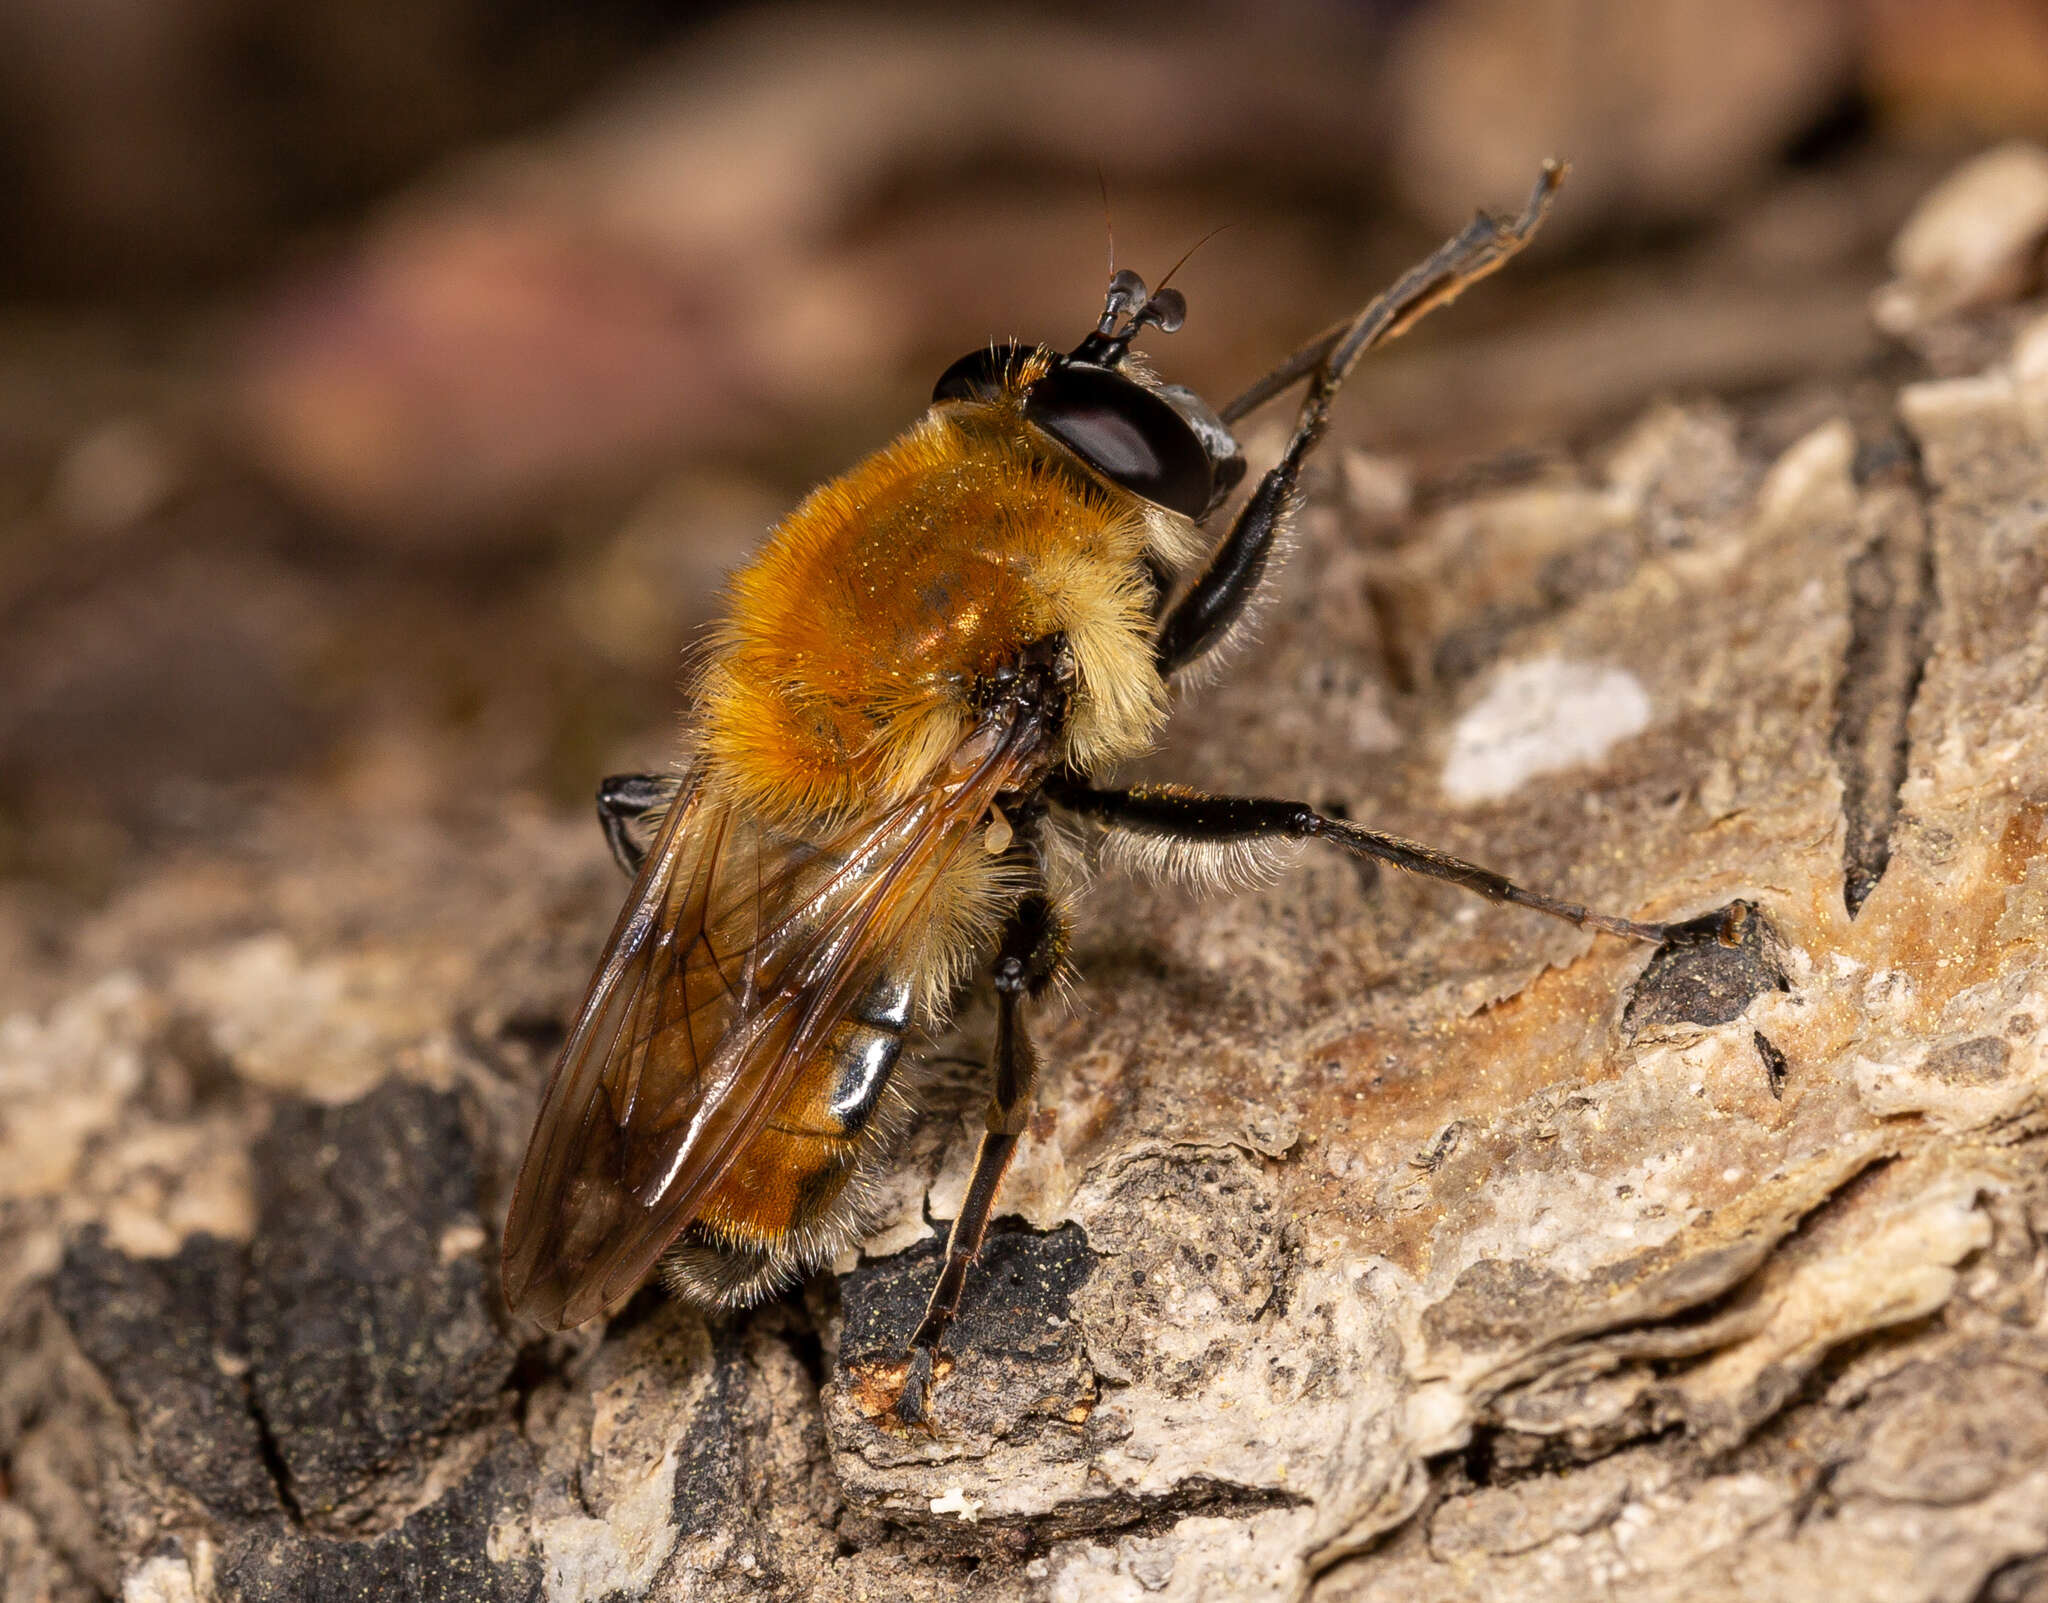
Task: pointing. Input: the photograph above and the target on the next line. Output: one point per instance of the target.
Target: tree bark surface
(1369, 1242)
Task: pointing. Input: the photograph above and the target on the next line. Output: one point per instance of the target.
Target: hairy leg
(1029, 956)
(1173, 813)
(1217, 599)
(623, 800)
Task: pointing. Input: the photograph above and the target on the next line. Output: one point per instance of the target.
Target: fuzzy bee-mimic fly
(902, 724)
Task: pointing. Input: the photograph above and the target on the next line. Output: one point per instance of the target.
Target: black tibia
(622, 801)
(1217, 599)
(1486, 244)
(1189, 816)
(1034, 942)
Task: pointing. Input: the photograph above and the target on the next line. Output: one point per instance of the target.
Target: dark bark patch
(368, 1323)
(1707, 972)
(166, 1333)
(1017, 1302)
(709, 1485)
(1773, 1061)
(441, 1554)
(1891, 592)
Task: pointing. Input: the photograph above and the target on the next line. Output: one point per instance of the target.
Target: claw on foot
(898, 1395)
(914, 1403)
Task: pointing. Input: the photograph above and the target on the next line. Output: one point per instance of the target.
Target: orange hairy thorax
(856, 638)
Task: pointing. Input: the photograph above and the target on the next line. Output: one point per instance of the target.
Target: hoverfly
(900, 725)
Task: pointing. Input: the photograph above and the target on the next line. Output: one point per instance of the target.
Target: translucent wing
(737, 952)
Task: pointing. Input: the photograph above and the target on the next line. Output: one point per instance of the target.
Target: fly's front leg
(1217, 599)
(1174, 813)
(1033, 943)
(623, 800)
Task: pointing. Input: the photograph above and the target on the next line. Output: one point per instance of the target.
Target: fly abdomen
(863, 1051)
(793, 1197)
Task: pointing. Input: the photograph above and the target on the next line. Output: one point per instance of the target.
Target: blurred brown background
(384, 387)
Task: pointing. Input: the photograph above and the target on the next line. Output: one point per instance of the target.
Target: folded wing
(736, 954)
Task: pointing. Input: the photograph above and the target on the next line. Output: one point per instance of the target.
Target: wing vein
(736, 955)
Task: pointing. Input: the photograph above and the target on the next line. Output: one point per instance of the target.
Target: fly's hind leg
(1173, 813)
(1033, 943)
(1217, 599)
(623, 800)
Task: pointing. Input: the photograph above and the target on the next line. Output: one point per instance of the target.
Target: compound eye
(979, 375)
(1126, 433)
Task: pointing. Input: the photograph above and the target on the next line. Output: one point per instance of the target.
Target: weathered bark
(1370, 1242)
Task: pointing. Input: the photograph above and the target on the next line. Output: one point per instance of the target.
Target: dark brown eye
(978, 375)
(1125, 432)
